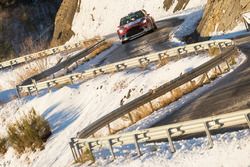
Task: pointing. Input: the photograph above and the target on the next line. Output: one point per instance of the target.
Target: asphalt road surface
(149, 43)
(230, 94)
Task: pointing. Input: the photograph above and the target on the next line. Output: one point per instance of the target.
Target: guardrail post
(35, 85)
(220, 48)
(26, 60)
(29, 91)
(220, 69)
(77, 64)
(79, 152)
(248, 120)
(109, 129)
(208, 77)
(71, 80)
(17, 91)
(151, 106)
(111, 149)
(11, 65)
(171, 144)
(131, 118)
(210, 140)
(72, 148)
(228, 66)
(48, 85)
(137, 147)
(88, 145)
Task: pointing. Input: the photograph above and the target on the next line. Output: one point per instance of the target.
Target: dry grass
(31, 69)
(161, 102)
(29, 133)
(105, 45)
(119, 85)
(214, 51)
(3, 146)
(162, 62)
(29, 46)
(86, 156)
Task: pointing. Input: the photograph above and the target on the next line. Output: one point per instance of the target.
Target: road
(149, 43)
(230, 94)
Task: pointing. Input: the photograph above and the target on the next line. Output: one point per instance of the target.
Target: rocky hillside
(26, 25)
(222, 15)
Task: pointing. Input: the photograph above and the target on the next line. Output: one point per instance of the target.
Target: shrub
(30, 132)
(86, 156)
(3, 145)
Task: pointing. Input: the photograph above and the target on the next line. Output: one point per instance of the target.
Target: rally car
(135, 24)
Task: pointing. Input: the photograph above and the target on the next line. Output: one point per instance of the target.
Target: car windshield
(131, 17)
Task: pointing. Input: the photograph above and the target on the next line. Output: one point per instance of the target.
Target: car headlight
(121, 31)
(144, 21)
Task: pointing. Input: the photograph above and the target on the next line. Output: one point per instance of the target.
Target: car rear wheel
(123, 42)
(155, 27)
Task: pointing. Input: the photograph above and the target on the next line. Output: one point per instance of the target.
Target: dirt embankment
(63, 22)
(222, 15)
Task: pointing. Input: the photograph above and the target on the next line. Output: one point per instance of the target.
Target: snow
(240, 29)
(10, 78)
(246, 16)
(191, 20)
(102, 18)
(230, 150)
(72, 108)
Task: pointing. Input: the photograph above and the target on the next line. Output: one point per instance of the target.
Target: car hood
(133, 23)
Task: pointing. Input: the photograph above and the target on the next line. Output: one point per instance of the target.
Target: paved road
(146, 44)
(232, 93)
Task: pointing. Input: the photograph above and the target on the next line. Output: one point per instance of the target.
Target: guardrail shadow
(61, 119)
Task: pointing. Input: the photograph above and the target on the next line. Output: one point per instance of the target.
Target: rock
(222, 15)
(63, 22)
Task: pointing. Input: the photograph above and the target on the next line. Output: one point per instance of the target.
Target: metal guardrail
(34, 56)
(84, 55)
(141, 61)
(153, 94)
(169, 132)
(82, 136)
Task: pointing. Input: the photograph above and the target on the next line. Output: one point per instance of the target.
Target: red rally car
(135, 24)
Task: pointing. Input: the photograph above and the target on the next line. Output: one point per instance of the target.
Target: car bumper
(130, 37)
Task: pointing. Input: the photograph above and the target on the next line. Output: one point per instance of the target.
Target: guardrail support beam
(151, 106)
(111, 149)
(220, 69)
(35, 85)
(18, 92)
(208, 78)
(130, 117)
(109, 129)
(72, 148)
(228, 66)
(171, 144)
(88, 145)
(210, 140)
(137, 147)
(29, 91)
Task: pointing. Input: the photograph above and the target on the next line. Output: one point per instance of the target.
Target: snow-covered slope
(102, 17)
(229, 150)
(70, 109)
